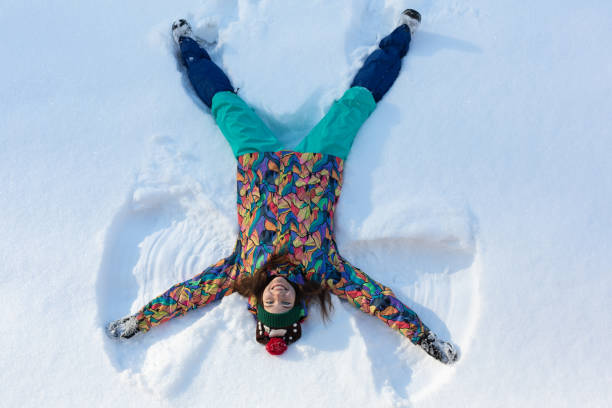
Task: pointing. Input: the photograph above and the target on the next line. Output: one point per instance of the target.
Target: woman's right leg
(243, 129)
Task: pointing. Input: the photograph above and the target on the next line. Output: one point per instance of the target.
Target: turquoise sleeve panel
(334, 133)
(243, 129)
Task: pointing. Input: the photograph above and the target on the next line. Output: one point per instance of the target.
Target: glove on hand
(124, 328)
(442, 351)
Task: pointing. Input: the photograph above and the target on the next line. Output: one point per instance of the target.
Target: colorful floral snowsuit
(286, 204)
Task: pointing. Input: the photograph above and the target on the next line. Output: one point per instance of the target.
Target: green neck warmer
(279, 320)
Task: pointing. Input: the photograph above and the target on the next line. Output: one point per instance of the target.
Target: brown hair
(254, 285)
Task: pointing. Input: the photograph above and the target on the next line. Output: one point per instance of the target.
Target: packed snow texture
(479, 190)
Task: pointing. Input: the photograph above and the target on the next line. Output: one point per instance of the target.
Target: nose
(278, 296)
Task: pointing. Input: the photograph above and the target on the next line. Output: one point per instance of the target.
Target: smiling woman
(279, 300)
(286, 254)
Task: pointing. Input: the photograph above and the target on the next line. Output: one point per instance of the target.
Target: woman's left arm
(350, 283)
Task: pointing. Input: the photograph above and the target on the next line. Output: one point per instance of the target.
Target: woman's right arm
(208, 286)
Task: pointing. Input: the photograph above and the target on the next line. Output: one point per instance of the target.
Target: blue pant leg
(206, 77)
(382, 67)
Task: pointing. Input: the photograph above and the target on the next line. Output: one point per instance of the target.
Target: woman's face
(278, 296)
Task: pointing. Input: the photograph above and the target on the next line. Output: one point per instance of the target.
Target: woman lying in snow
(286, 254)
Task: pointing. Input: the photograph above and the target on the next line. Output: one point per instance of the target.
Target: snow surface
(479, 190)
